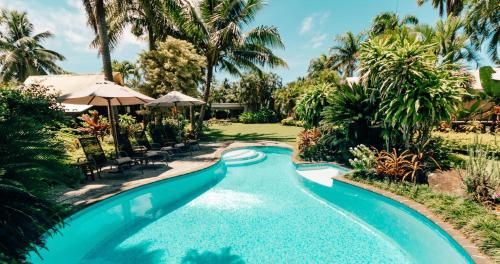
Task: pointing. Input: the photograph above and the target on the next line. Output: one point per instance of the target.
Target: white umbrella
(175, 98)
(106, 94)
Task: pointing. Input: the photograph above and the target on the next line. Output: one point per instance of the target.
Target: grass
(476, 221)
(252, 132)
(464, 139)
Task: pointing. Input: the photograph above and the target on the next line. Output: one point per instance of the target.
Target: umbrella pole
(113, 128)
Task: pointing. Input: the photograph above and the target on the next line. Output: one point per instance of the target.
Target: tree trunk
(102, 30)
(151, 37)
(206, 94)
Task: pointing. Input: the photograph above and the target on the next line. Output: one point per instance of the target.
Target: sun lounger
(96, 156)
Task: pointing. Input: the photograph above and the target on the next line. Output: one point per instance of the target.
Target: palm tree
(215, 27)
(323, 62)
(125, 68)
(145, 16)
(453, 45)
(389, 21)
(453, 7)
(483, 25)
(96, 16)
(21, 52)
(344, 54)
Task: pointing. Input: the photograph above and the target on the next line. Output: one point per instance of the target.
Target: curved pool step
(243, 157)
(320, 174)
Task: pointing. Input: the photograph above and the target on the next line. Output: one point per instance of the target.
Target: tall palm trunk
(103, 37)
(151, 37)
(206, 94)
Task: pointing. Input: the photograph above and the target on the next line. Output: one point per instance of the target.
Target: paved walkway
(112, 183)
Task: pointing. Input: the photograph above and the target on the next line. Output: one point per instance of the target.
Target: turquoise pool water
(258, 213)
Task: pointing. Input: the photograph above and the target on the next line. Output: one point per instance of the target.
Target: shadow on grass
(218, 135)
(209, 257)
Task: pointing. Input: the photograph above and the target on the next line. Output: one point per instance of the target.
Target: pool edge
(470, 247)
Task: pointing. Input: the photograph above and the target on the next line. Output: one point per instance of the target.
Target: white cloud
(67, 22)
(306, 25)
(317, 40)
(313, 22)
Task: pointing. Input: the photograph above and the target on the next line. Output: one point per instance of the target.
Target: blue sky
(306, 26)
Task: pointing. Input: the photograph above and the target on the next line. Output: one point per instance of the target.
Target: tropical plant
(490, 86)
(399, 166)
(285, 99)
(128, 124)
(416, 91)
(388, 22)
(144, 18)
(125, 68)
(452, 7)
(256, 89)
(32, 159)
(451, 44)
(94, 124)
(483, 25)
(364, 159)
(317, 65)
(308, 144)
(215, 28)
(290, 121)
(225, 92)
(482, 174)
(344, 53)
(96, 18)
(21, 51)
(174, 66)
(351, 108)
(264, 115)
(311, 104)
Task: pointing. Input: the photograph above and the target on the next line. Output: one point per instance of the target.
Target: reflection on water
(226, 200)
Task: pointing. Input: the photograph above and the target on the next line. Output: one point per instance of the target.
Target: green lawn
(252, 132)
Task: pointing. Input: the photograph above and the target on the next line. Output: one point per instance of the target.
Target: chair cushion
(123, 160)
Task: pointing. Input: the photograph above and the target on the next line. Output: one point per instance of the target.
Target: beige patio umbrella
(176, 99)
(106, 94)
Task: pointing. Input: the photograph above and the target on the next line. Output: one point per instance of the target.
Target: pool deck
(114, 183)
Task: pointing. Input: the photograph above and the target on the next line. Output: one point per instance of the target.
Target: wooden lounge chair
(143, 142)
(96, 156)
(138, 153)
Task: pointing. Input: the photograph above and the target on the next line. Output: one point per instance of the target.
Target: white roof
(65, 84)
(69, 83)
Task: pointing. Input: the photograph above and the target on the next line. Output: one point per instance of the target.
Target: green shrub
(482, 175)
(364, 159)
(290, 121)
(32, 160)
(261, 116)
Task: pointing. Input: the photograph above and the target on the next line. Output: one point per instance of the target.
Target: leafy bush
(308, 144)
(290, 121)
(311, 104)
(364, 159)
(482, 175)
(262, 116)
(32, 159)
(128, 124)
(399, 166)
(94, 124)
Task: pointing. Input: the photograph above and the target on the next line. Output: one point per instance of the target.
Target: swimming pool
(262, 211)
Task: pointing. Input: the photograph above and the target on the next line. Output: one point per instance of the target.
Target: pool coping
(469, 246)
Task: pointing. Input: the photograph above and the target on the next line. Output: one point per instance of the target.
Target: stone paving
(112, 183)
